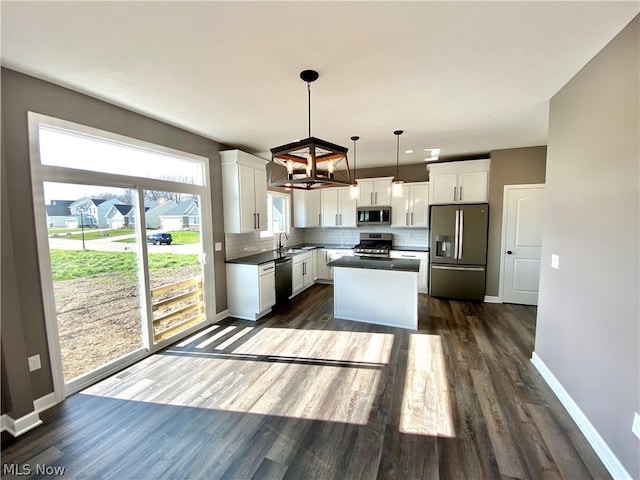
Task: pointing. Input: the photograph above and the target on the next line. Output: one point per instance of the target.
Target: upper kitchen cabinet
(459, 182)
(306, 208)
(412, 209)
(374, 191)
(244, 192)
(338, 209)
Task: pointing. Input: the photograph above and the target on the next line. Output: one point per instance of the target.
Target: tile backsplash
(243, 244)
(402, 237)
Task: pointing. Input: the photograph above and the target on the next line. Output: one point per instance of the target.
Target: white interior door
(522, 227)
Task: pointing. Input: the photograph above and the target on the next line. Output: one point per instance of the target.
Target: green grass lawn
(69, 264)
(62, 231)
(91, 234)
(181, 237)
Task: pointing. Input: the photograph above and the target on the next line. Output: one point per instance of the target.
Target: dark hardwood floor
(301, 395)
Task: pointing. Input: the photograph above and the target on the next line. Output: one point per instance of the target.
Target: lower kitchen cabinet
(302, 272)
(326, 255)
(251, 289)
(423, 275)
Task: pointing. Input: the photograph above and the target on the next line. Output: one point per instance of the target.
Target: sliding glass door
(122, 247)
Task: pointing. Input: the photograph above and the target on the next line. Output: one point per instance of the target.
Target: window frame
(287, 220)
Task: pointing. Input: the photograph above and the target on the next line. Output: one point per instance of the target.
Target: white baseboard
(44, 403)
(492, 299)
(611, 462)
(222, 315)
(17, 427)
(30, 420)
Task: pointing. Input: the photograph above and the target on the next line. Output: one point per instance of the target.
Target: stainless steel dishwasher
(283, 280)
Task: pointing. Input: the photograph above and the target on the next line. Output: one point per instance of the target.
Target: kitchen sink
(292, 250)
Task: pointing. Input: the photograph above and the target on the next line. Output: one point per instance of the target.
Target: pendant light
(312, 162)
(355, 188)
(397, 187)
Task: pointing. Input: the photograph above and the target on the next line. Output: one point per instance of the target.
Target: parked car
(159, 238)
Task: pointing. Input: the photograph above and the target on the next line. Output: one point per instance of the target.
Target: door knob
(509, 252)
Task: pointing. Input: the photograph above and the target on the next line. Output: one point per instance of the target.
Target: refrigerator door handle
(463, 269)
(461, 234)
(455, 236)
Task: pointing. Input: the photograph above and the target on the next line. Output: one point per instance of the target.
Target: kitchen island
(383, 291)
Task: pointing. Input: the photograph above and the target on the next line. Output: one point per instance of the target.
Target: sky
(69, 149)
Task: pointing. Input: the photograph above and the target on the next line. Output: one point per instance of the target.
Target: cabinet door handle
(406, 219)
(455, 189)
(336, 219)
(340, 217)
(376, 198)
(258, 221)
(460, 198)
(371, 198)
(319, 219)
(411, 218)
(254, 221)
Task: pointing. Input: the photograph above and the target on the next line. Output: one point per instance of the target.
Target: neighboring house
(57, 213)
(185, 216)
(104, 208)
(84, 210)
(120, 216)
(152, 216)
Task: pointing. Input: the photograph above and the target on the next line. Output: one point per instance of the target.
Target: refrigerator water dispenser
(444, 246)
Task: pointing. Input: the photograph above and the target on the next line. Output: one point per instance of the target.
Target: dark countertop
(264, 257)
(276, 255)
(410, 249)
(397, 264)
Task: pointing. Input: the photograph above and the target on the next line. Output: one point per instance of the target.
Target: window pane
(94, 262)
(66, 149)
(175, 272)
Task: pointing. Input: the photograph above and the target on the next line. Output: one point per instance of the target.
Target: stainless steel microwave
(373, 216)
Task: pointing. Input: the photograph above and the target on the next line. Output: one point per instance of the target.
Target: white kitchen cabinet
(326, 255)
(423, 274)
(337, 207)
(251, 289)
(306, 208)
(302, 272)
(412, 209)
(459, 182)
(244, 192)
(374, 191)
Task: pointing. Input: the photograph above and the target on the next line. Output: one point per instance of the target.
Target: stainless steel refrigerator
(458, 251)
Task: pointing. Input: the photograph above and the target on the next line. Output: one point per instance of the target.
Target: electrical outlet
(218, 246)
(555, 261)
(34, 363)
(635, 427)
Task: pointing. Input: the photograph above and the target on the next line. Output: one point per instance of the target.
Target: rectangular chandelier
(309, 164)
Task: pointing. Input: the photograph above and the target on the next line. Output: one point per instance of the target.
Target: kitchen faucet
(280, 244)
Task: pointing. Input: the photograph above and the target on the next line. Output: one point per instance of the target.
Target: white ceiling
(465, 77)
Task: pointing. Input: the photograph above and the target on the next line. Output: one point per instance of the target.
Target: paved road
(109, 244)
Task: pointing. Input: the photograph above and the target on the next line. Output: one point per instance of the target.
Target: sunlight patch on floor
(323, 375)
(426, 408)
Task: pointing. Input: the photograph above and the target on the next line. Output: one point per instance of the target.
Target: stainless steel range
(377, 245)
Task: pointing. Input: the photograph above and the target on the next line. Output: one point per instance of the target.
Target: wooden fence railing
(177, 306)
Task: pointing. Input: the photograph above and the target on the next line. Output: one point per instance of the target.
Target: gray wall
(20, 94)
(588, 328)
(508, 167)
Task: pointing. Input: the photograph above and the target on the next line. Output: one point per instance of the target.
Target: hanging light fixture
(355, 188)
(311, 162)
(397, 187)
